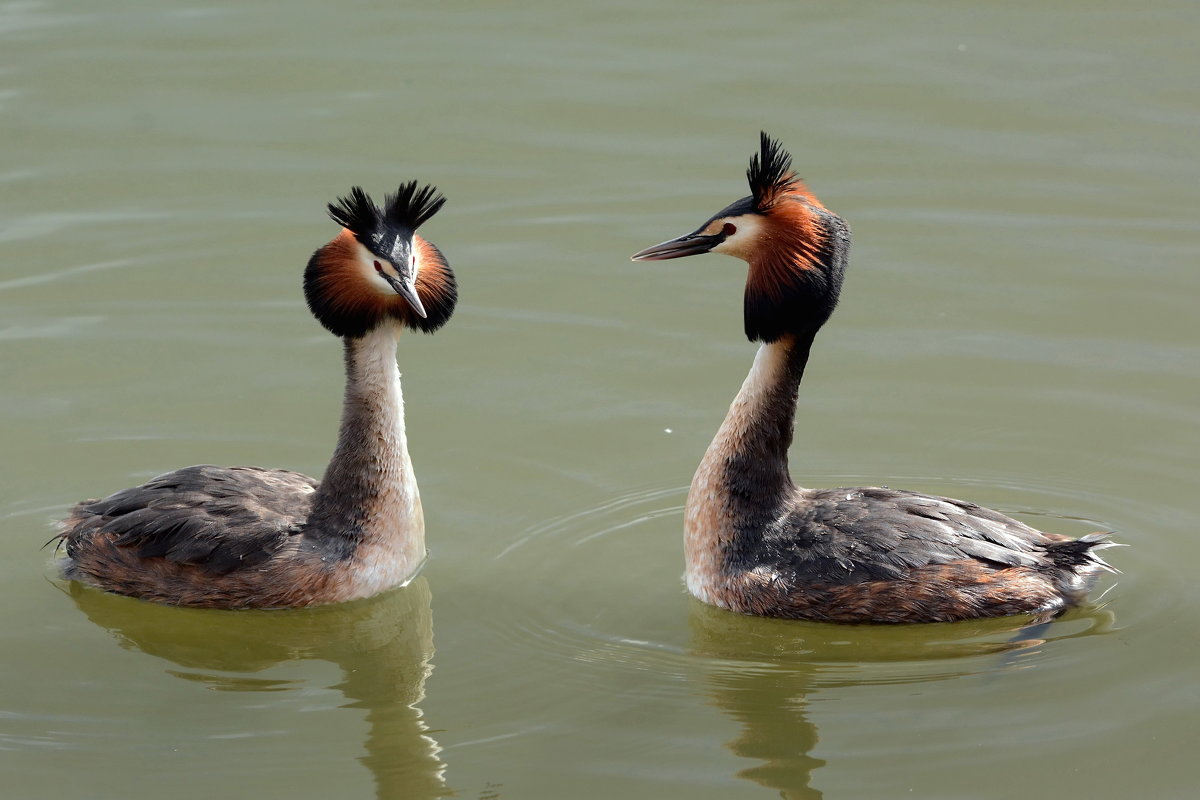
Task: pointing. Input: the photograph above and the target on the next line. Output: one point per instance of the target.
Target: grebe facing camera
(244, 537)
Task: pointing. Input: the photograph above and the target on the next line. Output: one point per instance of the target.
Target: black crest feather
(356, 212)
(770, 173)
(407, 209)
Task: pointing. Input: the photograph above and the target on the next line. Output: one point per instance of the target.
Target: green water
(1018, 328)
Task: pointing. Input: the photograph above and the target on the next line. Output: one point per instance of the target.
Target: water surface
(1018, 328)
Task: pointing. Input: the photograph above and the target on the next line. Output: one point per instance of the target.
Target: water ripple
(637, 617)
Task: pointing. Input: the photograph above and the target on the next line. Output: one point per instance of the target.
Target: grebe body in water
(757, 543)
(244, 537)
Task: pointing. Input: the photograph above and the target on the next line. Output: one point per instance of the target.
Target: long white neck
(367, 508)
(743, 478)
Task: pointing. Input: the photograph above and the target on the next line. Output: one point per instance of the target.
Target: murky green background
(1019, 327)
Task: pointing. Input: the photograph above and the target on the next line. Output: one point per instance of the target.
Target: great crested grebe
(243, 537)
(756, 543)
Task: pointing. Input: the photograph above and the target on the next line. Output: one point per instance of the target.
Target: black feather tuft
(357, 213)
(1076, 553)
(770, 173)
(406, 210)
(410, 207)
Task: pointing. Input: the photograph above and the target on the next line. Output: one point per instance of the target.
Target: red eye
(378, 267)
(729, 229)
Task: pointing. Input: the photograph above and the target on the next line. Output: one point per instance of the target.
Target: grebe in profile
(243, 537)
(757, 543)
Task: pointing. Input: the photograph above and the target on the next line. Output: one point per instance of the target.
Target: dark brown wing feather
(215, 518)
(840, 536)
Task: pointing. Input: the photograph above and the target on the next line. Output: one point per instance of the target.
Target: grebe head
(377, 270)
(795, 247)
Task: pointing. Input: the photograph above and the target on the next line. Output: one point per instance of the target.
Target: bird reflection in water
(764, 673)
(382, 645)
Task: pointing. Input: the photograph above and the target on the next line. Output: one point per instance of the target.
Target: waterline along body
(757, 543)
(244, 537)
